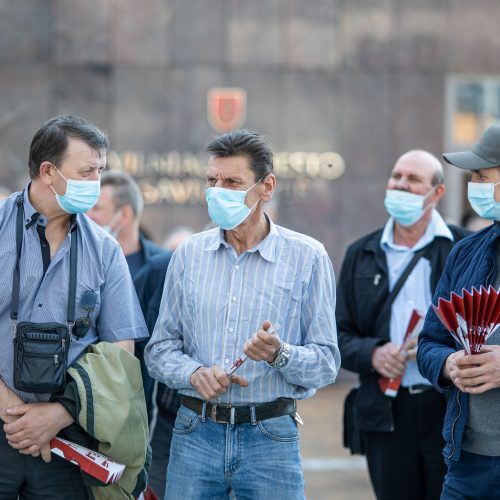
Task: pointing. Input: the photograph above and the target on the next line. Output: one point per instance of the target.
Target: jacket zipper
(453, 425)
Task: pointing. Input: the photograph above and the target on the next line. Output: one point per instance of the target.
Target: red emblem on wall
(226, 108)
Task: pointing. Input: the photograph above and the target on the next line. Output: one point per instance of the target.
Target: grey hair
(125, 190)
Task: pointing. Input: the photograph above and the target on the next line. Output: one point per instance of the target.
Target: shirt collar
(266, 248)
(31, 215)
(436, 228)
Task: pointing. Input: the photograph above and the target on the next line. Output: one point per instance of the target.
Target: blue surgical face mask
(482, 199)
(406, 208)
(226, 207)
(109, 227)
(80, 196)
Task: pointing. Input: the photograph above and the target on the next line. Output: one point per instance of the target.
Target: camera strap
(16, 279)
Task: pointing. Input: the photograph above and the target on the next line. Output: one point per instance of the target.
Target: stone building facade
(366, 79)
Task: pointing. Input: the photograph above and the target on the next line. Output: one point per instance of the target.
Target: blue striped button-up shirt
(44, 298)
(215, 300)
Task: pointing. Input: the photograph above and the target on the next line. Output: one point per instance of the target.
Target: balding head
(421, 173)
(426, 163)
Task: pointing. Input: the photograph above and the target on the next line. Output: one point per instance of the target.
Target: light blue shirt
(416, 292)
(44, 298)
(214, 301)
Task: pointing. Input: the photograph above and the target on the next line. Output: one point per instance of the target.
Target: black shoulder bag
(352, 435)
(41, 349)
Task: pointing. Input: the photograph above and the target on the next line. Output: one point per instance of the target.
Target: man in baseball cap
(485, 154)
(471, 426)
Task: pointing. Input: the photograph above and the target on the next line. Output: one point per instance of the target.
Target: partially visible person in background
(175, 237)
(118, 210)
(149, 284)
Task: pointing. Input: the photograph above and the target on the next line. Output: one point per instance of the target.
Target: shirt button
(234, 298)
(40, 304)
(231, 329)
(226, 361)
(237, 267)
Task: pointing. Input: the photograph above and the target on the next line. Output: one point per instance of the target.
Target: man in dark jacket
(119, 210)
(401, 433)
(149, 284)
(471, 426)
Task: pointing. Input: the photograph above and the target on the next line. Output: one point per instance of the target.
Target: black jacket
(362, 290)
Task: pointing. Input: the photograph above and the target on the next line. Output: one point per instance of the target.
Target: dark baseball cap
(484, 154)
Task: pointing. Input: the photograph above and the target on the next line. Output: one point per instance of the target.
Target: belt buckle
(232, 414)
(415, 390)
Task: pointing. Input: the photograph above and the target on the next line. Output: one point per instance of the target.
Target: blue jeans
(257, 461)
(472, 477)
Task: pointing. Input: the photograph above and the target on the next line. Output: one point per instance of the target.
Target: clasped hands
(390, 360)
(211, 382)
(475, 373)
(30, 427)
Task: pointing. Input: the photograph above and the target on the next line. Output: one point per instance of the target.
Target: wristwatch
(282, 358)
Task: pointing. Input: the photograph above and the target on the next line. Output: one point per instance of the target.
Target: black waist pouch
(41, 357)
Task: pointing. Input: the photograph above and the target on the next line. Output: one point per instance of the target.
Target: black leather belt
(418, 388)
(229, 414)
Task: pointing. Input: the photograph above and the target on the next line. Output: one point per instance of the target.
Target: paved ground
(330, 471)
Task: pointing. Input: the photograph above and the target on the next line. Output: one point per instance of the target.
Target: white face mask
(406, 208)
(482, 199)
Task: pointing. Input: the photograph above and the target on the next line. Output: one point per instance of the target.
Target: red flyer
(96, 464)
(390, 386)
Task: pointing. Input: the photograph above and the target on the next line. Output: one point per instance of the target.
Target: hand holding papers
(390, 386)
(470, 317)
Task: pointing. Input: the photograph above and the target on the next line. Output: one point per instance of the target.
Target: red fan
(470, 317)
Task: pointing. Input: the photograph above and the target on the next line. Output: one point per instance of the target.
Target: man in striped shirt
(224, 288)
(67, 156)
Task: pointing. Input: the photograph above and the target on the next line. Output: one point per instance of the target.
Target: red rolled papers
(390, 386)
(470, 317)
(96, 464)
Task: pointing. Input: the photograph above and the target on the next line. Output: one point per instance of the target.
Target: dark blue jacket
(149, 286)
(472, 262)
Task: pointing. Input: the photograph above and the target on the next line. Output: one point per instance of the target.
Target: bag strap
(399, 284)
(16, 278)
(72, 276)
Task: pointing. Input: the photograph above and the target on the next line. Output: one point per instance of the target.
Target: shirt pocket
(368, 284)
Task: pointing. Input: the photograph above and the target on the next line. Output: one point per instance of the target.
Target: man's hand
(8, 399)
(36, 425)
(388, 360)
(212, 382)
(411, 347)
(263, 346)
(475, 373)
